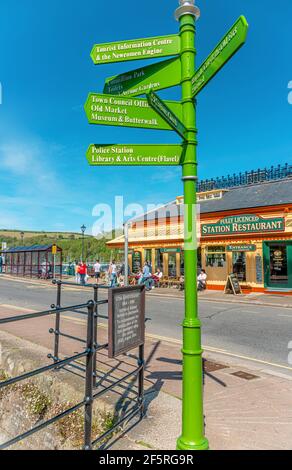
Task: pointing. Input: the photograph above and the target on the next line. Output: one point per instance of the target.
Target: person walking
(77, 275)
(113, 274)
(82, 273)
(1, 264)
(97, 269)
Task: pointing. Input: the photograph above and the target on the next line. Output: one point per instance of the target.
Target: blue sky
(244, 118)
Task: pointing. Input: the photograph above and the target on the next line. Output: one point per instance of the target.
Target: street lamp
(22, 235)
(83, 228)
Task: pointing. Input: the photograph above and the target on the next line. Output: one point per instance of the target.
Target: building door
(239, 265)
(278, 264)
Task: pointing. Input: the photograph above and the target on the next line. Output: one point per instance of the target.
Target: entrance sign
(243, 224)
(163, 110)
(126, 314)
(121, 107)
(232, 285)
(149, 48)
(227, 47)
(137, 155)
(111, 110)
(157, 76)
(239, 248)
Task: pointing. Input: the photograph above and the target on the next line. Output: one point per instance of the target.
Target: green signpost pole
(192, 437)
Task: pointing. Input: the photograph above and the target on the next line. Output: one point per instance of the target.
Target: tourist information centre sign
(130, 100)
(243, 224)
(149, 48)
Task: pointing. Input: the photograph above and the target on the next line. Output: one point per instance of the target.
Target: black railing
(89, 368)
(249, 177)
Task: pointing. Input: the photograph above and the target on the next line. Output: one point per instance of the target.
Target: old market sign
(149, 48)
(243, 224)
(111, 110)
(137, 155)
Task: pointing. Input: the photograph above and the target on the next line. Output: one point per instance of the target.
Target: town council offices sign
(243, 224)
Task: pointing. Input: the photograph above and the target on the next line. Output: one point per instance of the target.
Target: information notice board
(232, 285)
(126, 319)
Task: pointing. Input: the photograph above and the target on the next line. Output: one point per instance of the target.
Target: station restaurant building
(244, 229)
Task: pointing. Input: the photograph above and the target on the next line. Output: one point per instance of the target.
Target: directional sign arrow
(227, 47)
(161, 107)
(112, 110)
(135, 155)
(157, 76)
(149, 48)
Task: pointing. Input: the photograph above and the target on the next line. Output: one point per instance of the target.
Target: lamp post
(192, 437)
(22, 236)
(83, 228)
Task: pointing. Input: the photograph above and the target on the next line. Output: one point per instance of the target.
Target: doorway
(278, 264)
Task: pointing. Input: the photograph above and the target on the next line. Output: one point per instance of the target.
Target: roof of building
(270, 193)
(22, 249)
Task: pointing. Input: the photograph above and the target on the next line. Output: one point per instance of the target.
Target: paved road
(258, 332)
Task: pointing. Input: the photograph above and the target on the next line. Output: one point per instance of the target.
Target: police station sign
(243, 224)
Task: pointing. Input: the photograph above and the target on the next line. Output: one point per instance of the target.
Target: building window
(158, 260)
(172, 264)
(215, 257)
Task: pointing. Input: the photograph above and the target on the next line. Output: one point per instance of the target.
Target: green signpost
(157, 76)
(119, 107)
(112, 110)
(149, 48)
(163, 110)
(137, 155)
(227, 47)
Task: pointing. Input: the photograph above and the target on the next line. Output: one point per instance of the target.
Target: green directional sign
(137, 155)
(227, 47)
(166, 113)
(112, 110)
(149, 48)
(157, 76)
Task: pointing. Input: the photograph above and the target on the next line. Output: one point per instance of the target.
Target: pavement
(245, 407)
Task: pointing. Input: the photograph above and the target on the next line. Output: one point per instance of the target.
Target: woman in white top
(113, 274)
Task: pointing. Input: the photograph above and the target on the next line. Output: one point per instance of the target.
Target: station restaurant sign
(243, 224)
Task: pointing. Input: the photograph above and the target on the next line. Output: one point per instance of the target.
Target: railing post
(141, 363)
(89, 378)
(95, 332)
(57, 322)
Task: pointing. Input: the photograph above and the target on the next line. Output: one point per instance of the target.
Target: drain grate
(244, 375)
(210, 366)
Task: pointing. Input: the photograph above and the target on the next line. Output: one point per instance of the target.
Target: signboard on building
(126, 319)
(239, 248)
(170, 250)
(243, 224)
(232, 285)
(137, 261)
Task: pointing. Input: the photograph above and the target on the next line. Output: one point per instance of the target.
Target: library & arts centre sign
(243, 224)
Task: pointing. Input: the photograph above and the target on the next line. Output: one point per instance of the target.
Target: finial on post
(187, 7)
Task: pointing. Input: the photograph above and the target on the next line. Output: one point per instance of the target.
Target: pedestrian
(97, 269)
(82, 273)
(1, 264)
(113, 274)
(146, 274)
(77, 275)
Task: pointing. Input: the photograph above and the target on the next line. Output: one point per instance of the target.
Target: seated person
(202, 280)
(157, 277)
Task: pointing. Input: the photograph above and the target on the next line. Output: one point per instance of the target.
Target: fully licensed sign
(243, 224)
(137, 155)
(149, 48)
(157, 76)
(111, 110)
(126, 319)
